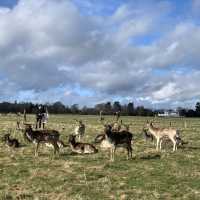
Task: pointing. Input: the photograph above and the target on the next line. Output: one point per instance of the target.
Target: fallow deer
(42, 136)
(81, 148)
(161, 133)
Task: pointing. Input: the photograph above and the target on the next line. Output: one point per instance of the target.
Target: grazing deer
(121, 139)
(10, 142)
(81, 148)
(42, 136)
(160, 133)
(79, 130)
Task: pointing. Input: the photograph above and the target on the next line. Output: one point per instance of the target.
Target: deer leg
(79, 137)
(174, 143)
(157, 144)
(131, 150)
(36, 124)
(152, 138)
(56, 148)
(36, 149)
(40, 122)
(127, 152)
(114, 149)
(176, 146)
(111, 154)
(161, 144)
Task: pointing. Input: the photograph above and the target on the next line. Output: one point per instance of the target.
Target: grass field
(149, 175)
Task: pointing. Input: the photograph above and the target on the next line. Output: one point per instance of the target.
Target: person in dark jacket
(39, 114)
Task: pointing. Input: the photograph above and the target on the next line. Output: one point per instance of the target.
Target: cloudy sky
(92, 51)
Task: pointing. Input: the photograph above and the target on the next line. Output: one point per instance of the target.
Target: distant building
(169, 113)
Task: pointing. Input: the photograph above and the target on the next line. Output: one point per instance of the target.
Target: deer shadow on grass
(150, 157)
(189, 148)
(67, 154)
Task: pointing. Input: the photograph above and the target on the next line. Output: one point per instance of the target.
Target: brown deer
(79, 130)
(112, 140)
(161, 133)
(10, 142)
(81, 148)
(42, 136)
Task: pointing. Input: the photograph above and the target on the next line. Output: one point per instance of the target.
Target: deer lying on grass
(161, 133)
(10, 142)
(42, 136)
(112, 140)
(104, 143)
(81, 148)
(60, 144)
(79, 130)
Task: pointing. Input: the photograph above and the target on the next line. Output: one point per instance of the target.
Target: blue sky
(8, 3)
(88, 52)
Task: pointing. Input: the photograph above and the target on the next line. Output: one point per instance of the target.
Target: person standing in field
(45, 116)
(39, 114)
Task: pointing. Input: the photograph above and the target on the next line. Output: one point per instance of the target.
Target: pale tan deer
(79, 130)
(161, 133)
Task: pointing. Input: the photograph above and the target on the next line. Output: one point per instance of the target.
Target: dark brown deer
(114, 140)
(42, 136)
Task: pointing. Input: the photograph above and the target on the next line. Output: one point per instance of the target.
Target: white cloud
(166, 92)
(47, 45)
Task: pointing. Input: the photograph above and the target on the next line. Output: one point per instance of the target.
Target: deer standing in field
(42, 136)
(79, 130)
(101, 118)
(113, 140)
(121, 139)
(161, 133)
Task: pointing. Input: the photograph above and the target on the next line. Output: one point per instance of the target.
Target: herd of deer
(114, 135)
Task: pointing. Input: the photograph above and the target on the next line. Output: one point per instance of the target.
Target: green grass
(149, 175)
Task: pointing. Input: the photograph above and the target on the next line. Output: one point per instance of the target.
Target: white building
(169, 114)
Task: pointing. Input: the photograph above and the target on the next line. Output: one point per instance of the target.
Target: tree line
(108, 108)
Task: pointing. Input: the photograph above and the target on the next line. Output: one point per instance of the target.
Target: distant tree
(191, 113)
(140, 111)
(130, 109)
(84, 110)
(99, 107)
(58, 107)
(108, 108)
(182, 111)
(75, 109)
(124, 110)
(117, 106)
(197, 108)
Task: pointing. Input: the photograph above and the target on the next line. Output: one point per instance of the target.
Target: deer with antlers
(161, 133)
